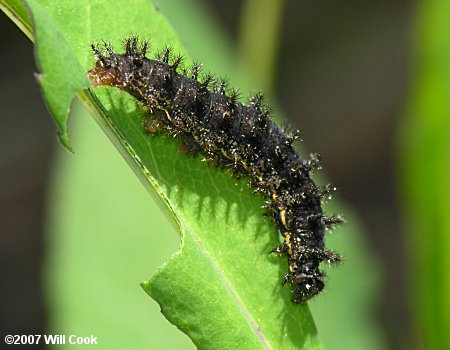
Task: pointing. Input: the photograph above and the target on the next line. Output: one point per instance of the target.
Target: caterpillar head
(305, 287)
(145, 79)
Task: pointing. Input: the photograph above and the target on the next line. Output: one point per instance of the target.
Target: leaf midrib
(228, 285)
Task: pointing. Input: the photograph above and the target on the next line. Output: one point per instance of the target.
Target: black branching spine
(210, 119)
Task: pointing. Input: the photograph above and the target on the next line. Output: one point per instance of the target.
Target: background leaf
(425, 172)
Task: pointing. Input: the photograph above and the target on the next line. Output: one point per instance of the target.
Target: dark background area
(352, 59)
(27, 141)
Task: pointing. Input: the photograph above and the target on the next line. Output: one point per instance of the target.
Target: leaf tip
(145, 286)
(38, 77)
(64, 139)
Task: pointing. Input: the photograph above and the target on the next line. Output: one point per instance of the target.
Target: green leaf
(224, 249)
(425, 172)
(222, 282)
(18, 13)
(352, 294)
(56, 59)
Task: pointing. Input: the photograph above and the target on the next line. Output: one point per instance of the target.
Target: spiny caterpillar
(209, 119)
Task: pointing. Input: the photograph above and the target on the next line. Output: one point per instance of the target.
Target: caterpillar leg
(152, 124)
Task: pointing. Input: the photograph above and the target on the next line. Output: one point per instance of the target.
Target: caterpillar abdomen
(211, 120)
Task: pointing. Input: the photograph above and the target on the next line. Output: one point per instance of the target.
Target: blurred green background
(368, 84)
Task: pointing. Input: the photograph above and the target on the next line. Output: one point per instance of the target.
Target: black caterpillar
(211, 120)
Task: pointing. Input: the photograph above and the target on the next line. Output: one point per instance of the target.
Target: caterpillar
(209, 119)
